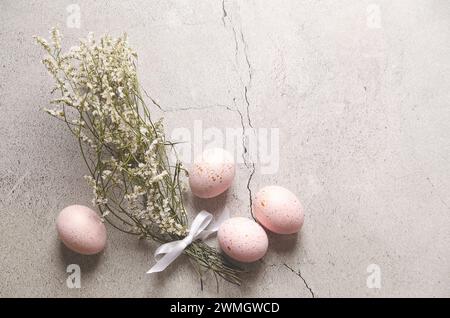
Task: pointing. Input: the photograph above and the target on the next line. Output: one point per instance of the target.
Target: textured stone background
(359, 90)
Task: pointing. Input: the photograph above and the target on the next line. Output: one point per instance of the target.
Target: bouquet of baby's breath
(135, 187)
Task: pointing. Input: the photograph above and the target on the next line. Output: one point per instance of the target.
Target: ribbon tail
(171, 251)
(165, 261)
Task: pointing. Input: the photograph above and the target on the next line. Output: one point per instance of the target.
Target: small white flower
(106, 174)
(120, 92)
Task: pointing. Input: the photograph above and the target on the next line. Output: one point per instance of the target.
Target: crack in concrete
(250, 76)
(247, 102)
(224, 11)
(248, 106)
(250, 165)
(299, 274)
(245, 150)
(226, 17)
(247, 60)
(187, 108)
(249, 189)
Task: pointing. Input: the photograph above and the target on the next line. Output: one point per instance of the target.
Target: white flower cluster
(133, 184)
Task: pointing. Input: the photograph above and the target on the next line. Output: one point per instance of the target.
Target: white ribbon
(200, 230)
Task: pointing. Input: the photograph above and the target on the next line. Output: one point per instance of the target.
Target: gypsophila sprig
(134, 186)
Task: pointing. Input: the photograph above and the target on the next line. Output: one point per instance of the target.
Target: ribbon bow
(200, 230)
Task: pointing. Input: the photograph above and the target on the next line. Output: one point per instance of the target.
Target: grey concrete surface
(359, 90)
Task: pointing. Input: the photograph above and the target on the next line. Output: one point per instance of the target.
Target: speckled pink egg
(278, 210)
(212, 173)
(242, 239)
(81, 230)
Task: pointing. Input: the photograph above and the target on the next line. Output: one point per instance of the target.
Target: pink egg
(242, 239)
(81, 230)
(212, 173)
(278, 210)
